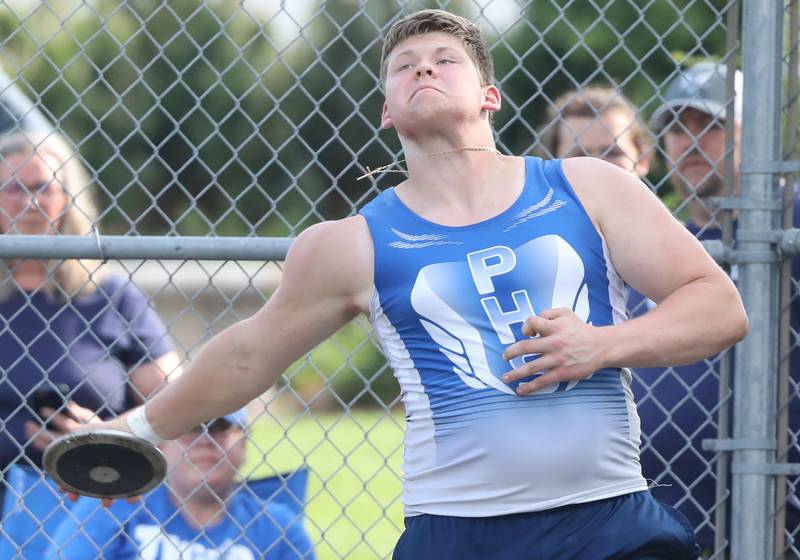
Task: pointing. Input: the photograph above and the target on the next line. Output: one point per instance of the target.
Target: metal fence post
(756, 357)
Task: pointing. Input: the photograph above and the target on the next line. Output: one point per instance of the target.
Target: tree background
(220, 119)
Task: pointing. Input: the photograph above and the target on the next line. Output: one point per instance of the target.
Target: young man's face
(607, 137)
(694, 146)
(432, 80)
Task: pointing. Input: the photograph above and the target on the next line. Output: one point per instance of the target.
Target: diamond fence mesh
(228, 120)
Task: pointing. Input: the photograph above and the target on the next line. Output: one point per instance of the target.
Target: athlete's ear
(386, 120)
(491, 99)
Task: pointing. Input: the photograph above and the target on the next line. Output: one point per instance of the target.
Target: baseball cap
(238, 418)
(701, 87)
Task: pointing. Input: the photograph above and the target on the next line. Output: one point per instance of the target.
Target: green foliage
(346, 370)
(205, 118)
(171, 105)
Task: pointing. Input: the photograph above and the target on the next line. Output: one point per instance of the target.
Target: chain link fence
(213, 132)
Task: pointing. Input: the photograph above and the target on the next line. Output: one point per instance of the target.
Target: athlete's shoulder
(333, 257)
(583, 169)
(333, 239)
(381, 202)
(604, 188)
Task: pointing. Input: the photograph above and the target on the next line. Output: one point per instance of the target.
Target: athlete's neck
(464, 187)
(442, 158)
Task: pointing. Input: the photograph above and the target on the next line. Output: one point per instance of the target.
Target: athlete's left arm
(699, 311)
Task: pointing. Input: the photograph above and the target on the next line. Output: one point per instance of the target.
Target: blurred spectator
(599, 122)
(198, 513)
(691, 126)
(74, 340)
(678, 406)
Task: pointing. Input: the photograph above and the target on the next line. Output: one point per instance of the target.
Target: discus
(104, 464)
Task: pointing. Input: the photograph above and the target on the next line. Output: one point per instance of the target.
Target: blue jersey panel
(448, 301)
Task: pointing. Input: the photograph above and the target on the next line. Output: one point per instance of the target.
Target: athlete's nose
(424, 69)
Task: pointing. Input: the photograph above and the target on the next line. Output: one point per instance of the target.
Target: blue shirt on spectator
(154, 529)
(678, 408)
(87, 344)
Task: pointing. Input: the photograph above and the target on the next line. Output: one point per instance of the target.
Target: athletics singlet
(447, 302)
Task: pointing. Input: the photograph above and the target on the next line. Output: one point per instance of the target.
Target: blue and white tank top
(447, 302)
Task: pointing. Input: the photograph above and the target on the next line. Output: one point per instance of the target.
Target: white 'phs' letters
(483, 272)
(485, 265)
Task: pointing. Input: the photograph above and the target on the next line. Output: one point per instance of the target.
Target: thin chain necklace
(387, 168)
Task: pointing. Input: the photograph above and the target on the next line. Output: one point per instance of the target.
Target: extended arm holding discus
(327, 281)
(699, 311)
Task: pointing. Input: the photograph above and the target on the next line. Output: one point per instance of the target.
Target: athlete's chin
(428, 120)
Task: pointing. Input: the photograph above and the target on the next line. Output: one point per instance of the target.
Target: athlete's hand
(568, 348)
(87, 421)
(73, 418)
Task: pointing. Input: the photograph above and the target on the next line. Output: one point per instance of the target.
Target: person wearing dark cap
(200, 511)
(691, 126)
(678, 406)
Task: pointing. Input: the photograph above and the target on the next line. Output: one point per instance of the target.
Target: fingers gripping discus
(105, 464)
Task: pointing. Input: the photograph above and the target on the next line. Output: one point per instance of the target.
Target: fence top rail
(158, 247)
(118, 247)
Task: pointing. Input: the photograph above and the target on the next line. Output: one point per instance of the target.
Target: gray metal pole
(143, 247)
(752, 533)
(158, 247)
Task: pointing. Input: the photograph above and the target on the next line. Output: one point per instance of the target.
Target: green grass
(354, 504)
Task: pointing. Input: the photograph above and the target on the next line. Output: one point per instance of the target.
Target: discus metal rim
(71, 441)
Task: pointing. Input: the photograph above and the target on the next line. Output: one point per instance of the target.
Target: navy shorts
(633, 526)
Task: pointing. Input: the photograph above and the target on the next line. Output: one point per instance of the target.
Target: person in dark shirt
(76, 342)
(679, 406)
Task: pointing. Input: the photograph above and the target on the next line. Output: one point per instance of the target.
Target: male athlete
(496, 286)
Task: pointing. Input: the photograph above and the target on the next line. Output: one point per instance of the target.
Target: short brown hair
(593, 102)
(426, 21)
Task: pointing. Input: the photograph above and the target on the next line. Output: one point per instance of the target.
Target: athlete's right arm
(327, 280)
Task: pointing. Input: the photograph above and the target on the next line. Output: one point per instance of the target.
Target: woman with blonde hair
(63, 204)
(75, 340)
